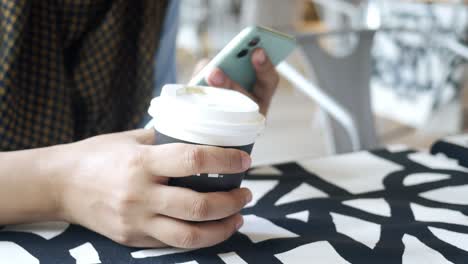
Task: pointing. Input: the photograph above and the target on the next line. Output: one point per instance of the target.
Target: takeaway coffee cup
(206, 116)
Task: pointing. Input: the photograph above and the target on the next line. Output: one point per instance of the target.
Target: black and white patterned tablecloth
(385, 206)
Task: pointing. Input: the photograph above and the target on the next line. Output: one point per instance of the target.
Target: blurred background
(397, 67)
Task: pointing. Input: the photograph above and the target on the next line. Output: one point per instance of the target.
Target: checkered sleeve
(71, 69)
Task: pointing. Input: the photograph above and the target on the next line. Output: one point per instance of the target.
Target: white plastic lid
(206, 115)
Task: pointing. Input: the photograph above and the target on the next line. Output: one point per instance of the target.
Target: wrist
(54, 165)
(31, 185)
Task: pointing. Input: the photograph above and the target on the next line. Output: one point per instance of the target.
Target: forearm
(29, 185)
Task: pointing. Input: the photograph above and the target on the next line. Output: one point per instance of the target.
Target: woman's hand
(264, 88)
(116, 185)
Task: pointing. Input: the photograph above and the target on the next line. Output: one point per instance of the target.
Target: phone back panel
(239, 68)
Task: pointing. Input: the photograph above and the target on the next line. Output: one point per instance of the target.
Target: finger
(148, 242)
(143, 136)
(186, 204)
(267, 80)
(218, 78)
(143, 242)
(183, 234)
(179, 160)
(266, 73)
(199, 66)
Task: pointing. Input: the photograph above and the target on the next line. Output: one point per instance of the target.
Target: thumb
(143, 136)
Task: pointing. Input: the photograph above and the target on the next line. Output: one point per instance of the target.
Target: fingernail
(240, 222)
(260, 57)
(217, 77)
(248, 197)
(246, 161)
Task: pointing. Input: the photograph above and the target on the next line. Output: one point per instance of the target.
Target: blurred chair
(277, 14)
(344, 91)
(341, 13)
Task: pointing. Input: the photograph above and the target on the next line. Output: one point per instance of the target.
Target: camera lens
(242, 53)
(254, 41)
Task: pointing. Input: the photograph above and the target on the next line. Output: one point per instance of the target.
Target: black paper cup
(209, 116)
(205, 182)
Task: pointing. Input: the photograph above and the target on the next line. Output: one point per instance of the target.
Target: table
(392, 205)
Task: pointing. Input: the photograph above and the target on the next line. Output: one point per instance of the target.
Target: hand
(116, 185)
(264, 88)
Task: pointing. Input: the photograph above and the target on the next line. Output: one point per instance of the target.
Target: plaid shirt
(71, 69)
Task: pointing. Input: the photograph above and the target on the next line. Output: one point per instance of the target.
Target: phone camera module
(254, 41)
(242, 53)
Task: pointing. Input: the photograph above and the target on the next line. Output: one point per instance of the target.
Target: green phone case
(239, 68)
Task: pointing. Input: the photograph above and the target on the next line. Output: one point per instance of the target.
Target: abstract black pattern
(318, 227)
(455, 147)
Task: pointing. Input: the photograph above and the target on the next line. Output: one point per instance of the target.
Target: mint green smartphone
(235, 58)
